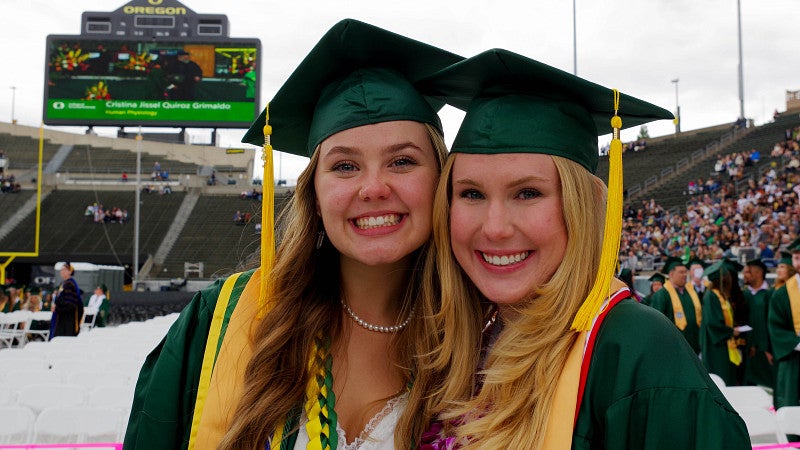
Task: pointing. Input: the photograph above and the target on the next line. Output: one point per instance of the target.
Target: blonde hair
(306, 290)
(531, 350)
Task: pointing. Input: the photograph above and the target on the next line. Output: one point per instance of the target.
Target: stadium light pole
(137, 199)
(741, 70)
(574, 41)
(677, 108)
(13, 100)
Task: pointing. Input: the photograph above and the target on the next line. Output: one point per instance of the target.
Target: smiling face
(374, 187)
(506, 222)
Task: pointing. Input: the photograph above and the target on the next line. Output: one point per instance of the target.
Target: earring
(320, 238)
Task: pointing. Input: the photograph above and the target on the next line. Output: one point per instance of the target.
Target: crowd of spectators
(240, 218)
(158, 174)
(252, 195)
(9, 184)
(161, 189)
(99, 214)
(725, 216)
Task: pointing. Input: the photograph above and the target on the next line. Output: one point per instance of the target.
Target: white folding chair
(92, 379)
(84, 363)
(747, 397)
(89, 318)
(8, 396)
(18, 422)
(119, 397)
(12, 328)
(39, 316)
(762, 426)
(73, 424)
(18, 358)
(718, 381)
(21, 377)
(789, 419)
(39, 397)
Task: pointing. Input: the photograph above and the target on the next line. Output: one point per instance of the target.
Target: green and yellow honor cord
(319, 407)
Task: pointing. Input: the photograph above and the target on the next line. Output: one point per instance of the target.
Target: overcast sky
(637, 46)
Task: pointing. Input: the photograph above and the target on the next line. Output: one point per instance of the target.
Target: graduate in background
(527, 240)
(657, 281)
(784, 332)
(696, 267)
(759, 363)
(99, 302)
(719, 333)
(679, 302)
(784, 271)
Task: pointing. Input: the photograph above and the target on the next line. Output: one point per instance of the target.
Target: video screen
(157, 83)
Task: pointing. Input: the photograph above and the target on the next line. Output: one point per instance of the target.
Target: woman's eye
(470, 194)
(344, 166)
(527, 194)
(403, 161)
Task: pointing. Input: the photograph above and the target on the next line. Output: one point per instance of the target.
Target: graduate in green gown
(322, 337)
(527, 240)
(759, 362)
(784, 332)
(657, 281)
(718, 334)
(679, 302)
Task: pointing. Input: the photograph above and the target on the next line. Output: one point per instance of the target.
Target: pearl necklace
(378, 328)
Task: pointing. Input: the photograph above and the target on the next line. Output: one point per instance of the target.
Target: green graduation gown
(646, 389)
(164, 400)
(714, 335)
(784, 340)
(102, 314)
(661, 301)
(758, 370)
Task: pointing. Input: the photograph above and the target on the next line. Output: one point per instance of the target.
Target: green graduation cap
(794, 246)
(786, 258)
(757, 262)
(357, 74)
(673, 262)
(517, 105)
(697, 261)
(725, 265)
(657, 277)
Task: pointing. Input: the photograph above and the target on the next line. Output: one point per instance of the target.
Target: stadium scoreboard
(152, 63)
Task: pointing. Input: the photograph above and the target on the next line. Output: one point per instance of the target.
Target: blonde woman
(784, 271)
(519, 223)
(326, 358)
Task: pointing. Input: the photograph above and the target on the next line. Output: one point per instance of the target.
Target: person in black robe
(68, 311)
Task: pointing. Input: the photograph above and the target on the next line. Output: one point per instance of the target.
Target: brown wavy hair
(307, 287)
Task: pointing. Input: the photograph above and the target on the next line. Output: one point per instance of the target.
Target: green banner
(149, 110)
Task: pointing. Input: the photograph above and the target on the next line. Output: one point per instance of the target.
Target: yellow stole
(558, 432)
(793, 290)
(727, 313)
(677, 306)
(220, 390)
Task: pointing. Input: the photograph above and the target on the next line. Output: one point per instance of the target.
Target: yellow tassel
(267, 219)
(611, 232)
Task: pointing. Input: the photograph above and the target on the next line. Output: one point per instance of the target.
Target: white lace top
(377, 435)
